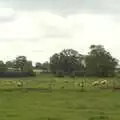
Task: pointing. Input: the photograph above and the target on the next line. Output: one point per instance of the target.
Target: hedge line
(17, 74)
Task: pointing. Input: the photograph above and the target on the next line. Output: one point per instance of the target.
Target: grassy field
(57, 104)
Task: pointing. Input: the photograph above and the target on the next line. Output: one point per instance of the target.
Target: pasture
(68, 103)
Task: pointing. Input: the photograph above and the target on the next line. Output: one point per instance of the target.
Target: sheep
(19, 84)
(103, 82)
(95, 83)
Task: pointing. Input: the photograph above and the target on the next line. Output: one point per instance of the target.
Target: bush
(31, 73)
(59, 74)
(16, 74)
(72, 74)
(77, 73)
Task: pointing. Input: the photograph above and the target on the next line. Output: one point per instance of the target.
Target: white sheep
(103, 82)
(19, 84)
(95, 83)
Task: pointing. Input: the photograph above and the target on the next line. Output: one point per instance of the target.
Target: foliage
(45, 66)
(16, 74)
(3, 67)
(20, 62)
(99, 62)
(38, 65)
(66, 61)
(28, 66)
(10, 64)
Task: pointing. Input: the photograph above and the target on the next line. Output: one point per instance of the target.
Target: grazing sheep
(95, 83)
(19, 84)
(103, 82)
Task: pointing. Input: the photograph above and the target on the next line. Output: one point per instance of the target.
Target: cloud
(23, 28)
(7, 14)
(65, 7)
(39, 34)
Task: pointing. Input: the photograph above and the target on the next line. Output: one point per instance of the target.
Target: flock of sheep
(76, 83)
(97, 83)
(16, 83)
(81, 84)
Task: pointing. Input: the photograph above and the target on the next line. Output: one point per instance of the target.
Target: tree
(28, 66)
(38, 65)
(99, 62)
(9, 64)
(20, 62)
(3, 67)
(68, 61)
(55, 63)
(45, 66)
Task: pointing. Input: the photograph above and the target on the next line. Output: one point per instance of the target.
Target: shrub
(78, 73)
(59, 74)
(16, 74)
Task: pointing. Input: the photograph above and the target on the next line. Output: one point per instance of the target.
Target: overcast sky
(39, 28)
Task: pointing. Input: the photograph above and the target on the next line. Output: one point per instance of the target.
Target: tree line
(98, 62)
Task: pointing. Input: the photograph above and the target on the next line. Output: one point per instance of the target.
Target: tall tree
(68, 60)
(3, 67)
(38, 65)
(20, 62)
(9, 64)
(28, 66)
(99, 62)
(45, 66)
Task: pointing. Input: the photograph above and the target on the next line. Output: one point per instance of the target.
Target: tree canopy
(68, 60)
(99, 62)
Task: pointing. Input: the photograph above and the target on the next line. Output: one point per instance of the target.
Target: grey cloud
(67, 6)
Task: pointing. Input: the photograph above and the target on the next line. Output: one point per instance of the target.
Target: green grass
(58, 104)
